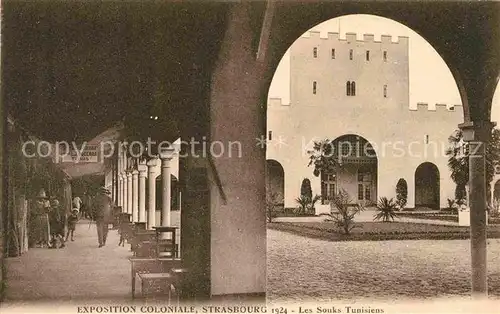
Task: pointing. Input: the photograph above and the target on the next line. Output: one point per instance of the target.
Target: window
(270, 135)
(360, 191)
(368, 55)
(333, 53)
(385, 55)
(350, 88)
(426, 139)
(367, 192)
(350, 54)
(385, 91)
(315, 52)
(314, 87)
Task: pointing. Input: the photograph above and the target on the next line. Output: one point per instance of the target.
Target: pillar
(166, 156)
(477, 135)
(129, 192)
(125, 192)
(143, 168)
(151, 164)
(120, 186)
(135, 196)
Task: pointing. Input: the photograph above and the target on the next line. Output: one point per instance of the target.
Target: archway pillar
(477, 134)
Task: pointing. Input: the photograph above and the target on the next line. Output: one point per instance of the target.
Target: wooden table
(151, 266)
(171, 230)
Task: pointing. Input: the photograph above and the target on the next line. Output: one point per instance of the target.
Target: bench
(140, 266)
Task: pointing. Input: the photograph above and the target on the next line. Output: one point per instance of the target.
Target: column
(477, 134)
(166, 156)
(143, 169)
(135, 196)
(151, 164)
(129, 192)
(125, 192)
(120, 186)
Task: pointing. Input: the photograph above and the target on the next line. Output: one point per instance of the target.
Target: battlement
(438, 107)
(352, 37)
(275, 102)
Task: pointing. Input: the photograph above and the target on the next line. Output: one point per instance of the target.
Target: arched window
(348, 88)
(385, 91)
(333, 53)
(368, 55)
(350, 54)
(385, 55)
(314, 87)
(353, 88)
(315, 52)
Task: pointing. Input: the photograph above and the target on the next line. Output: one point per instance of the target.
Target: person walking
(56, 223)
(102, 212)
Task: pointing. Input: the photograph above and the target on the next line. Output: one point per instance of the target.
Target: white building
(357, 93)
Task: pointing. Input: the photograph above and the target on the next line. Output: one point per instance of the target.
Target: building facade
(355, 94)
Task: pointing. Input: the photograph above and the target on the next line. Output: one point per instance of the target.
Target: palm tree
(386, 210)
(342, 211)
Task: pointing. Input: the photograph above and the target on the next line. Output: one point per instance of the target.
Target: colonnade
(132, 187)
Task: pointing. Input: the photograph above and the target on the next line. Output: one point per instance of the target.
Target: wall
(396, 132)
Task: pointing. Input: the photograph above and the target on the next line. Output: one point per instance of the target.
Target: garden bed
(378, 231)
(441, 216)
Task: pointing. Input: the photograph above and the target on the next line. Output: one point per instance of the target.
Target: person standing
(103, 215)
(40, 220)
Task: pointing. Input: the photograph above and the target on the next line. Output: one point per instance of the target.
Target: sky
(430, 79)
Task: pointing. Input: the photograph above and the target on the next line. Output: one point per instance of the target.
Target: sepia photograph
(252, 156)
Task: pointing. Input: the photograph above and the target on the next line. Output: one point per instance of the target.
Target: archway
(427, 186)
(275, 181)
(356, 172)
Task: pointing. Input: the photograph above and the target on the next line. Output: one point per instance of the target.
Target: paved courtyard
(301, 268)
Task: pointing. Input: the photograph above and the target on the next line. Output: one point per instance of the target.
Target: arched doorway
(275, 181)
(356, 172)
(427, 186)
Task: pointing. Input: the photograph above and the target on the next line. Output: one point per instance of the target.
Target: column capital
(166, 152)
(476, 130)
(135, 173)
(128, 174)
(142, 170)
(152, 162)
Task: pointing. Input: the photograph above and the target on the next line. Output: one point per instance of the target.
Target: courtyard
(306, 269)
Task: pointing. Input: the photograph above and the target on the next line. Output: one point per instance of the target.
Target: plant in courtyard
(458, 160)
(271, 204)
(401, 193)
(452, 206)
(343, 211)
(323, 158)
(306, 204)
(386, 210)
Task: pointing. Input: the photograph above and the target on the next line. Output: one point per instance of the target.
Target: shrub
(386, 210)
(305, 188)
(306, 204)
(401, 193)
(271, 203)
(342, 212)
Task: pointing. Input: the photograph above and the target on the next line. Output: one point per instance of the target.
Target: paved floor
(81, 271)
(302, 269)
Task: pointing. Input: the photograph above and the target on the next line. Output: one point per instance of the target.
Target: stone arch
(427, 187)
(357, 172)
(328, 12)
(275, 180)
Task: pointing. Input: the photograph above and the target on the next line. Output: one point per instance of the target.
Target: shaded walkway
(79, 272)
